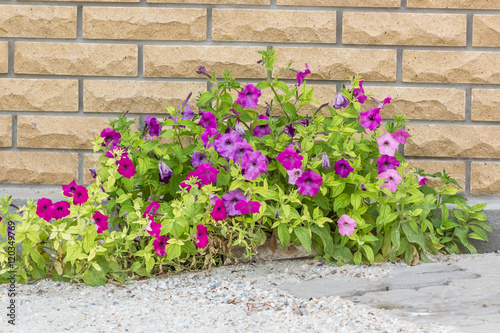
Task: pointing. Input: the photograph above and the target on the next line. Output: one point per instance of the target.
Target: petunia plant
(196, 189)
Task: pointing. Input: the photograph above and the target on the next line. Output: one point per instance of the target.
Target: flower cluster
(112, 140)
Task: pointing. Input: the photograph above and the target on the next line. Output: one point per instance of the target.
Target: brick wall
(66, 67)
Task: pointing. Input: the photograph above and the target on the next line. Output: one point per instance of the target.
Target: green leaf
(223, 178)
(289, 108)
(480, 232)
(322, 201)
(367, 250)
(326, 238)
(94, 278)
(173, 251)
(205, 98)
(263, 85)
(355, 201)
(304, 235)
(281, 86)
(128, 183)
(357, 258)
(283, 235)
(73, 252)
(341, 201)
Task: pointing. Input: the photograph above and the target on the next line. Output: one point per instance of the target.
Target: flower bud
(340, 101)
(363, 187)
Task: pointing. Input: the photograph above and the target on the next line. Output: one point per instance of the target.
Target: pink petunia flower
(231, 199)
(343, 168)
(386, 162)
(152, 207)
(207, 134)
(301, 75)
(101, 221)
(391, 179)
(69, 189)
(81, 195)
(60, 209)
(208, 120)
(191, 174)
(247, 207)
(359, 93)
(253, 164)
(219, 212)
(111, 137)
(248, 97)
(153, 227)
(159, 245)
(387, 145)
(153, 125)
(400, 136)
(290, 159)
(206, 173)
(370, 119)
(293, 175)
(421, 179)
(309, 183)
(201, 236)
(43, 209)
(346, 225)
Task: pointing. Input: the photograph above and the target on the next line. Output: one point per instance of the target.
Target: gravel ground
(241, 298)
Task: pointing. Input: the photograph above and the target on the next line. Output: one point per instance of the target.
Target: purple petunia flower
(359, 93)
(309, 183)
(293, 175)
(208, 120)
(248, 97)
(126, 167)
(93, 172)
(225, 144)
(59, 209)
(346, 225)
(239, 149)
(370, 119)
(301, 75)
(207, 134)
(386, 162)
(400, 136)
(262, 130)
(247, 207)
(43, 209)
(203, 71)
(160, 244)
(240, 131)
(197, 158)
(69, 189)
(289, 159)
(81, 195)
(343, 168)
(201, 236)
(391, 179)
(101, 221)
(153, 125)
(289, 130)
(219, 212)
(186, 113)
(231, 199)
(421, 179)
(325, 161)
(253, 164)
(340, 101)
(165, 172)
(387, 145)
(206, 173)
(110, 136)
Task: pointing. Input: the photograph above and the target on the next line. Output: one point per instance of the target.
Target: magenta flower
(400, 136)
(116, 152)
(262, 130)
(207, 134)
(391, 179)
(359, 93)
(208, 120)
(59, 209)
(346, 225)
(387, 145)
(126, 167)
(81, 195)
(253, 164)
(153, 227)
(421, 179)
(110, 136)
(219, 212)
(165, 172)
(293, 175)
(289, 159)
(152, 207)
(206, 173)
(43, 209)
(231, 199)
(340, 101)
(370, 119)
(309, 183)
(153, 125)
(226, 143)
(201, 236)
(386, 162)
(248, 97)
(198, 158)
(380, 104)
(69, 189)
(160, 244)
(239, 149)
(101, 221)
(342, 168)
(188, 187)
(247, 207)
(301, 75)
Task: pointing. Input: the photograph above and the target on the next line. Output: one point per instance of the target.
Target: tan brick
(58, 132)
(455, 169)
(486, 30)
(183, 61)
(419, 103)
(89, 161)
(453, 141)
(451, 67)
(137, 96)
(485, 105)
(341, 3)
(93, 0)
(38, 21)
(144, 23)
(75, 59)
(338, 64)
(38, 95)
(5, 131)
(404, 29)
(485, 178)
(4, 57)
(274, 25)
(215, 2)
(467, 4)
(41, 168)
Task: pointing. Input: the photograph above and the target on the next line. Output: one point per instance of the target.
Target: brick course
(4, 57)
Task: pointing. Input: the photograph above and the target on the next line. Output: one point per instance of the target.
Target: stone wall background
(67, 67)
